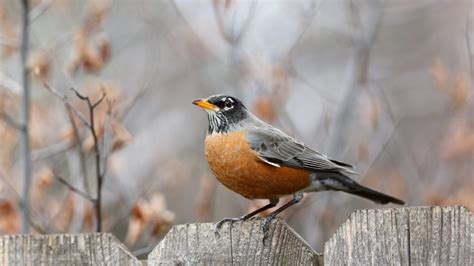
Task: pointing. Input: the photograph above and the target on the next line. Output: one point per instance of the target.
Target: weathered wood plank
(404, 236)
(240, 244)
(67, 249)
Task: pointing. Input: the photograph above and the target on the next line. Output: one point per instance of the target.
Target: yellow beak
(203, 103)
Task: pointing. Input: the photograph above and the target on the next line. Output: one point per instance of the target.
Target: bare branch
(88, 100)
(33, 14)
(106, 138)
(233, 39)
(40, 9)
(66, 103)
(356, 76)
(469, 44)
(25, 118)
(99, 101)
(220, 23)
(51, 150)
(6, 41)
(185, 21)
(247, 22)
(33, 224)
(76, 190)
(9, 83)
(10, 121)
(80, 150)
(310, 16)
(79, 95)
(99, 173)
(38, 227)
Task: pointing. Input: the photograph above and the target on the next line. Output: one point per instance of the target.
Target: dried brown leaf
(134, 231)
(458, 142)
(460, 92)
(105, 48)
(151, 213)
(64, 218)
(371, 114)
(43, 178)
(362, 151)
(440, 74)
(40, 64)
(89, 218)
(95, 14)
(455, 85)
(121, 136)
(9, 32)
(204, 202)
(9, 217)
(264, 108)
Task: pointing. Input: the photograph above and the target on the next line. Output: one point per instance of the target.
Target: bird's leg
(218, 225)
(266, 221)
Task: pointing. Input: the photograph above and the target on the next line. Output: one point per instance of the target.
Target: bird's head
(225, 112)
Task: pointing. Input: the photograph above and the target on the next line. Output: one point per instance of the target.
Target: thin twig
(33, 14)
(220, 23)
(98, 171)
(233, 39)
(356, 76)
(38, 227)
(247, 22)
(470, 53)
(64, 99)
(10, 84)
(310, 16)
(33, 224)
(99, 101)
(10, 121)
(99, 176)
(106, 138)
(51, 150)
(80, 150)
(6, 41)
(76, 190)
(40, 9)
(25, 118)
(185, 21)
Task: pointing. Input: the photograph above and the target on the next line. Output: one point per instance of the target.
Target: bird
(259, 161)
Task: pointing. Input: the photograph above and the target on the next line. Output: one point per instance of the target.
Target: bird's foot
(218, 225)
(266, 226)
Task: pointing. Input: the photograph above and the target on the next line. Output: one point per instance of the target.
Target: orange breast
(237, 167)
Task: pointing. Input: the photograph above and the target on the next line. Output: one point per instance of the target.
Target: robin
(259, 161)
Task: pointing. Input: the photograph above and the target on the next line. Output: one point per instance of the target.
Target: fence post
(404, 236)
(241, 244)
(65, 249)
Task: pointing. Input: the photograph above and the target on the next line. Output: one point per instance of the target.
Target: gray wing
(277, 148)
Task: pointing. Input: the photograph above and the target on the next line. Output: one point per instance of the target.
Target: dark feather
(275, 146)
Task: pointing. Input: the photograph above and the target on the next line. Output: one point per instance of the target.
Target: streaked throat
(218, 123)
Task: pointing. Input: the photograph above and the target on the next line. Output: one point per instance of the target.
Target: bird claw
(266, 226)
(218, 225)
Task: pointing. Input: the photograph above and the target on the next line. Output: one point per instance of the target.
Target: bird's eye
(228, 104)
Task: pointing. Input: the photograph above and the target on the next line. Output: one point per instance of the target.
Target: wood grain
(240, 244)
(67, 249)
(404, 236)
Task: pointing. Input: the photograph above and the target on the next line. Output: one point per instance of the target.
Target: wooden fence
(402, 236)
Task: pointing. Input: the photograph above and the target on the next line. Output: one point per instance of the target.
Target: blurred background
(384, 85)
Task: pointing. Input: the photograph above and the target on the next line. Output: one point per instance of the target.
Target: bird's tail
(375, 196)
(346, 184)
